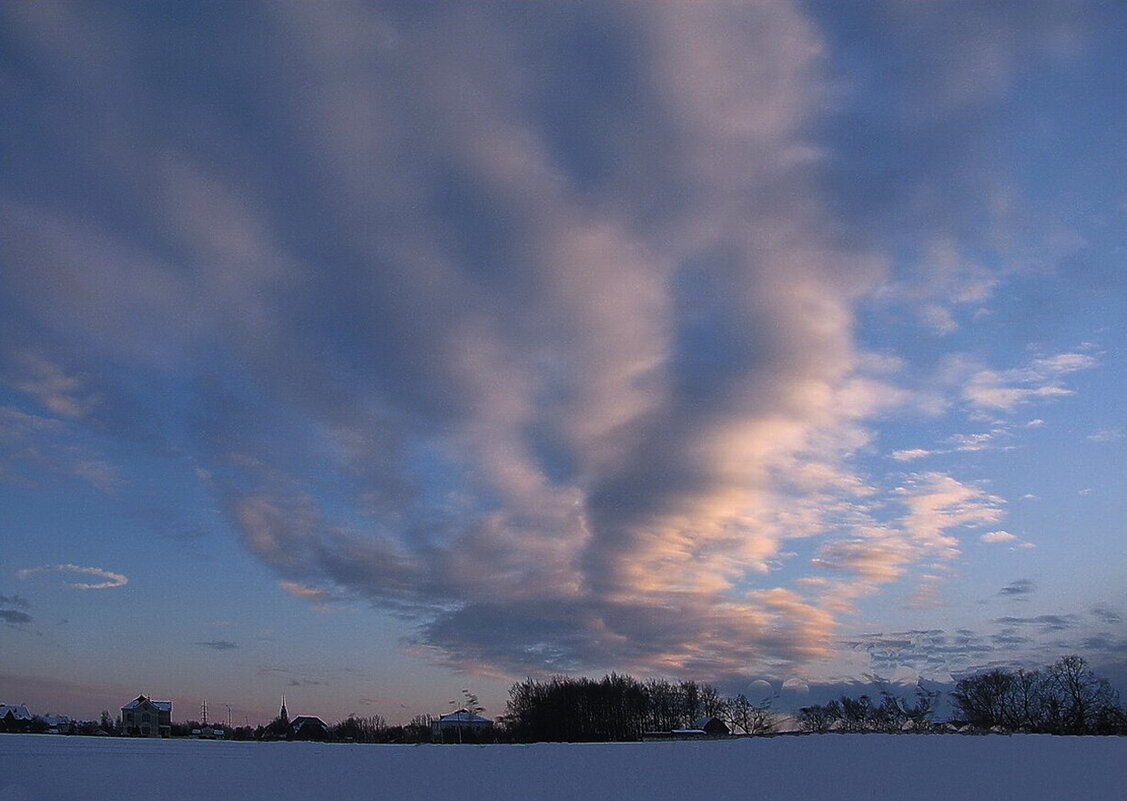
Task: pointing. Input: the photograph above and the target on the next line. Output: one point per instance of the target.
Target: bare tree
(748, 717)
(819, 718)
(1077, 697)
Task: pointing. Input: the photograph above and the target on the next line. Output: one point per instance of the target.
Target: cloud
(218, 645)
(911, 454)
(56, 390)
(546, 340)
(1042, 379)
(303, 591)
(1018, 588)
(34, 443)
(15, 600)
(938, 503)
(939, 319)
(110, 580)
(1109, 616)
(997, 536)
(1025, 642)
(293, 678)
(1046, 624)
(18, 615)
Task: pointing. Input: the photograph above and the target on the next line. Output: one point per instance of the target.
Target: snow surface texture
(815, 768)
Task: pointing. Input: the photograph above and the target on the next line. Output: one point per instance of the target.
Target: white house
(455, 726)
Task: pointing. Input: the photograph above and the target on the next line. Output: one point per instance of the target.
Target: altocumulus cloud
(534, 327)
(106, 579)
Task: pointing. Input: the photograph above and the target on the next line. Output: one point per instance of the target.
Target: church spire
(283, 715)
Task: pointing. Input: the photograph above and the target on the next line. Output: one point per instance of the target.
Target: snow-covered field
(1023, 768)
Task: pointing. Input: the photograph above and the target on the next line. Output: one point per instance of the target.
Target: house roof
(701, 723)
(17, 711)
(306, 720)
(463, 717)
(140, 700)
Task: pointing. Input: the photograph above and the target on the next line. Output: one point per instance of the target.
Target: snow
(814, 768)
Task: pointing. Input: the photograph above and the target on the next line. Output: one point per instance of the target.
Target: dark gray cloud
(1018, 589)
(15, 600)
(14, 616)
(1107, 615)
(294, 677)
(303, 683)
(1044, 623)
(1028, 642)
(218, 645)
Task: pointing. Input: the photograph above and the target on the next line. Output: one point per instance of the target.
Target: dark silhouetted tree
(819, 718)
(750, 718)
(1065, 698)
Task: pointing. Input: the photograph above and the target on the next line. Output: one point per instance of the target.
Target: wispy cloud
(1019, 588)
(1042, 379)
(1107, 615)
(110, 580)
(1046, 624)
(57, 391)
(911, 454)
(938, 503)
(218, 645)
(997, 536)
(303, 591)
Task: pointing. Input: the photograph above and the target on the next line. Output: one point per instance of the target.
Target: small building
(460, 726)
(712, 726)
(208, 733)
(58, 724)
(144, 717)
(308, 727)
(700, 729)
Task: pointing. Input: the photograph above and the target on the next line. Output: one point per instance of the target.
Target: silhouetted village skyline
(1066, 697)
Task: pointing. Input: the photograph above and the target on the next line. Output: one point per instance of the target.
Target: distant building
(14, 717)
(143, 717)
(700, 728)
(712, 726)
(461, 725)
(58, 724)
(208, 733)
(308, 727)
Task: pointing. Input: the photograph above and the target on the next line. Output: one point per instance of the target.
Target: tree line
(862, 714)
(619, 707)
(1065, 698)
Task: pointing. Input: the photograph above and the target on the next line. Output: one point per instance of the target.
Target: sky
(370, 353)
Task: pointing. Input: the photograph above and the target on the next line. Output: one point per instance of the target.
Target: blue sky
(367, 352)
